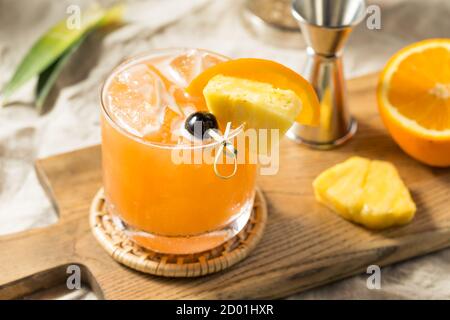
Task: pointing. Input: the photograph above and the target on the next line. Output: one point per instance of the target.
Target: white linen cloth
(211, 24)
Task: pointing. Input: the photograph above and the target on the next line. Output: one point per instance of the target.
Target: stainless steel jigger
(326, 25)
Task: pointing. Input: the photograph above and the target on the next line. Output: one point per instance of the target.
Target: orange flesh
(418, 87)
(414, 88)
(151, 193)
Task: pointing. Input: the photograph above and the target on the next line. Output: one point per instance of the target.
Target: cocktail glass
(161, 204)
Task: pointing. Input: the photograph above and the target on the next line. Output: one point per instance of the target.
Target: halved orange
(265, 71)
(414, 100)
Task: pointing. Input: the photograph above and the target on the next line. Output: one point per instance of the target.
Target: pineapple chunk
(367, 192)
(387, 201)
(340, 188)
(258, 104)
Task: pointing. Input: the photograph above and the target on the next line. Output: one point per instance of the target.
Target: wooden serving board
(304, 245)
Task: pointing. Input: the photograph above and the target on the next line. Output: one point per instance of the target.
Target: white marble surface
(212, 24)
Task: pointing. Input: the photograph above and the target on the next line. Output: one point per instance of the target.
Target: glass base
(187, 244)
(319, 145)
(286, 36)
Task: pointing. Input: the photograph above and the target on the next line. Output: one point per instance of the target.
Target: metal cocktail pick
(326, 25)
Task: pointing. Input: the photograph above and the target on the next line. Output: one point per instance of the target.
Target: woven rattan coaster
(122, 249)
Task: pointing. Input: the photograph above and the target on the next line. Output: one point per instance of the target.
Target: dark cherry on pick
(202, 121)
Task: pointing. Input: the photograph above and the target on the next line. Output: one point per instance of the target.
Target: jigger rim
(355, 22)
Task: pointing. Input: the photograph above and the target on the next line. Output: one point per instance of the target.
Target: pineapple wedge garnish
(368, 192)
(257, 104)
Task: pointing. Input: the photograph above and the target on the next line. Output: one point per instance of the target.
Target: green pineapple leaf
(56, 43)
(47, 78)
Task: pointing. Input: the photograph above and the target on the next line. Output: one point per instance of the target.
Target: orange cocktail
(166, 206)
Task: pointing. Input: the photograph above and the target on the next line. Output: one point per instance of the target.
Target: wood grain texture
(304, 245)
